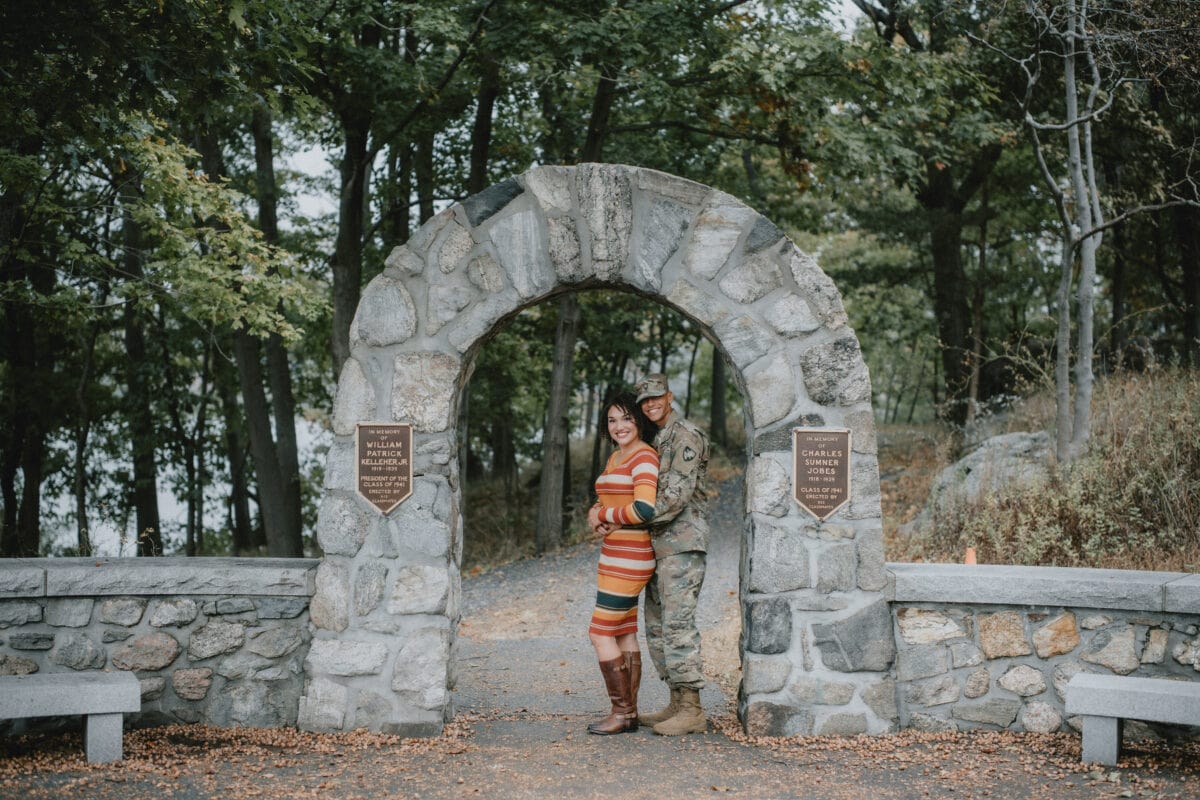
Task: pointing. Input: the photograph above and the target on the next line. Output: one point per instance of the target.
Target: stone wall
(994, 647)
(215, 640)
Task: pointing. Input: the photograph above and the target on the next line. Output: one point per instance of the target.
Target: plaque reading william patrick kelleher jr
(822, 469)
(383, 467)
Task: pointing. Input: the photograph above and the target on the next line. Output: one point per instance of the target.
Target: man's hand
(599, 527)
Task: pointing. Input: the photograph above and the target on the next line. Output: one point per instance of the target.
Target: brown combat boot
(633, 662)
(623, 717)
(655, 717)
(688, 719)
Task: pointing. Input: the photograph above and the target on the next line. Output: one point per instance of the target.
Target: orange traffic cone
(970, 557)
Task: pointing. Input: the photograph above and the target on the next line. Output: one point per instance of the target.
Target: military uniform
(679, 533)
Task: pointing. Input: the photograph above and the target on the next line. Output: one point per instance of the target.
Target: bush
(1131, 502)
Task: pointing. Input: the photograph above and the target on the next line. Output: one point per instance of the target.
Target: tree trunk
(549, 531)
(348, 248)
(717, 424)
(950, 290)
(481, 135)
(138, 408)
(977, 298)
(240, 524)
(1187, 227)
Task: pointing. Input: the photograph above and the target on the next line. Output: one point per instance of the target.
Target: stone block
(769, 486)
(768, 625)
(523, 252)
(965, 654)
(1155, 649)
(772, 391)
(125, 611)
(385, 316)
(565, 254)
(345, 658)
(147, 653)
(835, 567)
(697, 303)
(404, 261)
(19, 580)
(228, 606)
(419, 676)
(19, 612)
(880, 697)
(779, 562)
(929, 723)
(978, 683)
(933, 692)
(834, 373)
(192, 684)
(1115, 650)
(281, 607)
(444, 303)
(551, 186)
(606, 210)
(323, 706)
(745, 341)
(214, 639)
(1039, 717)
(1057, 637)
(17, 665)
(274, 642)
(423, 386)
(77, 651)
(1062, 674)
(860, 642)
(834, 693)
(174, 612)
(764, 675)
(342, 524)
(791, 316)
(1181, 595)
(763, 234)
(872, 570)
(1023, 680)
(330, 608)
(451, 247)
(1000, 713)
(926, 626)
(33, 640)
(715, 234)
(419, 589)
(371, 710)
(152, 688)
(818, 290)
(764, 718)
(843, 725)
(369, 584)
(483, 205)
(658, 232)
(91, 577)
(69, 612)
(753, 279)
(922, 661)
(1003, 634)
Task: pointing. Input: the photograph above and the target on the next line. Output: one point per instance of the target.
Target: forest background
(1004, 193)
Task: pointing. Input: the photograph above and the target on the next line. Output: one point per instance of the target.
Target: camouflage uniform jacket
(680, 523)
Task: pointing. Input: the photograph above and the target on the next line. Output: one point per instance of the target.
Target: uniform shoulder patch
(689, 454)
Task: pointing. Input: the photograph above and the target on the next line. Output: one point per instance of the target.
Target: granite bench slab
(1106, 701)
(103, 698)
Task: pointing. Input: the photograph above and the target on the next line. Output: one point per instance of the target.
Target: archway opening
(525, 603)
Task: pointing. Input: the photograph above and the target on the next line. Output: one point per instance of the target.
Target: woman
(626, 489)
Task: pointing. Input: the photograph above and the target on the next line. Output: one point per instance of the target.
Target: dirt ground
(526, 684)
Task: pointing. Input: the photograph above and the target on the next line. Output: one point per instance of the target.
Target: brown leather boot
(622, 718)
(633, 661)
(689, 718)
(655, 717)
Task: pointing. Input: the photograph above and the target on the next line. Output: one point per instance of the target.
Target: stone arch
(817, 642)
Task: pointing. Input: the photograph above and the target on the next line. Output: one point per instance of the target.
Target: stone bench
(101, 697)
(1105, 701)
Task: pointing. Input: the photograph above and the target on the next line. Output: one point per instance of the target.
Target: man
(679, 533)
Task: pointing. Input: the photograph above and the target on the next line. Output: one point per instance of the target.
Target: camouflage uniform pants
(670, 609)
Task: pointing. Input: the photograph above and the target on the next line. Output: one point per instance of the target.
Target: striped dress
(627, 490)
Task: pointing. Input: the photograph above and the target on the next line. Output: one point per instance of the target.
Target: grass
(1131, 502)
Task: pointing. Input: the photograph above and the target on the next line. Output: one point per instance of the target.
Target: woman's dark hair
(627, 402)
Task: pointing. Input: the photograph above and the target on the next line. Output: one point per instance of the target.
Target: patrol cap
(653, 385)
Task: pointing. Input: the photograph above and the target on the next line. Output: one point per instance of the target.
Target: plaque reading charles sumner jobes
(821, 479)
(383, 468)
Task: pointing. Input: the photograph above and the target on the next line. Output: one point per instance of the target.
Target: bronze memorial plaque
(383, 471)
(821, 482)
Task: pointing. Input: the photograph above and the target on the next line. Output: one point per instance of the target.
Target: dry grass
(1131, 502)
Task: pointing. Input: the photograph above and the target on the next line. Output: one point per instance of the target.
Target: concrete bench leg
(1102, 739)
(102, 737)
